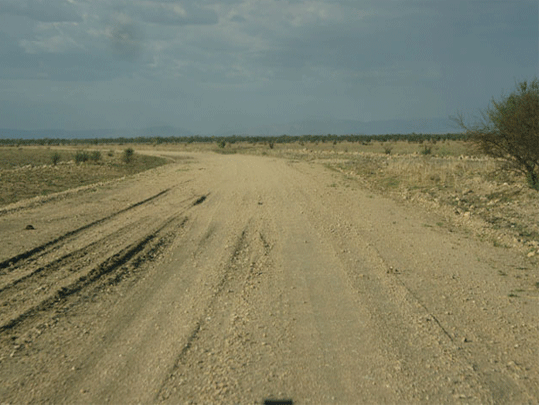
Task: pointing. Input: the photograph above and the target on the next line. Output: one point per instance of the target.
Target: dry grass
(14, 157)
(471, 192)
(29, 171)
(419, 172)
(474, 193)
(325, 149)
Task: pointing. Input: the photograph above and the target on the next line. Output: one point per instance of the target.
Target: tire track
(220, 377)
(42, 279)
(240, 244)
(60, 250)
(69, 259)
(32, 254)
(134, 253)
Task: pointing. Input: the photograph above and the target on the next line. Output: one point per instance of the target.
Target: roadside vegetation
(509, 130)
(30, 171)
(469, 191)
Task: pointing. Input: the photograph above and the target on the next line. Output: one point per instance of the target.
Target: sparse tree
(509, 129)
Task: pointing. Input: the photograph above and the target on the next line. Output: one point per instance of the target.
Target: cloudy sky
(215, 65)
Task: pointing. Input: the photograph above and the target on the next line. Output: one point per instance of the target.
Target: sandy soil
(235, 279)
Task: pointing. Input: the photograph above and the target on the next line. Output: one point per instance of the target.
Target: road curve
(236, 279)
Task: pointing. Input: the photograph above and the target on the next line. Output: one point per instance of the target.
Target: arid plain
(315, 275)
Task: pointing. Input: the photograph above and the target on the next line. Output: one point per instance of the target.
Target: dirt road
(235, 279)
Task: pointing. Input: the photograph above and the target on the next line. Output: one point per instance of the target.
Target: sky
(217, 65)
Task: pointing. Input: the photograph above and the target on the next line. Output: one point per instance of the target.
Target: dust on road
(234, 279)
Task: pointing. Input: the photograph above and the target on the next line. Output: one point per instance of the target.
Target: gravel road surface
(237, 279)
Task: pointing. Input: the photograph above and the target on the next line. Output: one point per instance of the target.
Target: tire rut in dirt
(10, 264)
(199, 325)
(54, 271)
(108, 270)
(60, 261)
(200, 200)
(208, 367)
(68, 262)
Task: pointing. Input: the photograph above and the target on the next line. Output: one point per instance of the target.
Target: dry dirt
(236, 279)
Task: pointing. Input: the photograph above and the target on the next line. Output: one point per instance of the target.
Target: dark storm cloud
(83, 67)
(40, 10)
(478, 34)
(75, 67)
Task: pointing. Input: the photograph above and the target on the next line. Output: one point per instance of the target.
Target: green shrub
(532, 181)
(81, 156)
(509, 130)
(95, 156)
(427, 150)
(55, 158)
(128, 155)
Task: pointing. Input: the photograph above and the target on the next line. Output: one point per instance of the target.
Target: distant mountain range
(305, 127)
(352, 127)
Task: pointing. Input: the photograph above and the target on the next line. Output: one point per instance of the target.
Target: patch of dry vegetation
(27, 172)
(469, 190)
